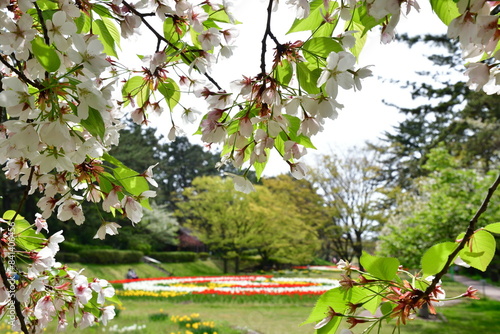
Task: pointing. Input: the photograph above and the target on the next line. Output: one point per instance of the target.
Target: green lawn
(265, 315)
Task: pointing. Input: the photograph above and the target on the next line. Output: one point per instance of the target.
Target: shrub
(110, 256)
(203, 256)
(65, 257)
(174, 257)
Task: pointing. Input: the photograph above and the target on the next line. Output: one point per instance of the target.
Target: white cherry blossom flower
(336, 72)
(81, 289)
(196, 16)
(301, 6)
(293, 150)
(104, 290)
(40, 223)
(209, 38)
(107, 228)
(59, 27)
(87, 320)
(298, 170)
(71, 209)
(132, 209)
(243, 184)
(108, 313)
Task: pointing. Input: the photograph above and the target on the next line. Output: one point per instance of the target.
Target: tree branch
(163, 39)
(468, 234)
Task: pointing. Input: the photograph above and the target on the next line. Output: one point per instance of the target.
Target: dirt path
(490, 291)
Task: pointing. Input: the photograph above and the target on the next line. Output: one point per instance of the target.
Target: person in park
(131, 274)
(66, 88)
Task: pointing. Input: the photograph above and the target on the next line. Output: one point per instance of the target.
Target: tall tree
(466, 121)
(230, 222)
(351, 190)
(444, 202)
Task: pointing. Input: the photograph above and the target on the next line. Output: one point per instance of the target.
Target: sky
(364, 117)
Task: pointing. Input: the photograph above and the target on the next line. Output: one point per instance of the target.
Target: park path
(490, 291)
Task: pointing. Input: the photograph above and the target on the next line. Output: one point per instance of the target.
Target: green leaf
(94, 123)
(9, 214)
(363, 21)
(82, 24)
(368, 297)
(446, 10)
(315, 18)
(102, 11)
(104, 29)
(284, 72)
(133, 87)
(171, 92)
(493, 228)
(360, 40)
(170, 30)
(260, 166)
(386, 308)
(308, 76)
(320, 47)
(335, 298)
(435, 257)
(131, 181)
(480, 250)
(26, 238)
(380, 267)
(45, 54)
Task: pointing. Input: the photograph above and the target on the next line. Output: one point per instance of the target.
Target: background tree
(436, 212)
(352, 194)
(230, 222)
(467, 122)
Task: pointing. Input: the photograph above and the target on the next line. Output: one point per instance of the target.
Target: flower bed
(226, 285)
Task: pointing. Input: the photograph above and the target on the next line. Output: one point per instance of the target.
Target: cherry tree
(66, 88)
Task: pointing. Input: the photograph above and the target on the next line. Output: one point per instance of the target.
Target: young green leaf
(435, 257)
(45, 54)
(171, 92)
(493, 228)
(446, 10)
(380, 267)
(480, 250)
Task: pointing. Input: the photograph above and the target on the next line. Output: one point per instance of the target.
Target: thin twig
(163, 39)
(468, 235)
(20, 74)
(267, 33)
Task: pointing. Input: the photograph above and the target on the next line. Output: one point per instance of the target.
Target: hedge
(110, 256)
(66, 257)
(174, 257)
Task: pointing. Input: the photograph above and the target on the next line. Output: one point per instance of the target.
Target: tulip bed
(256, 288)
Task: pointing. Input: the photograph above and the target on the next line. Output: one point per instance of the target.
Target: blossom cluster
(48, 290)
(66, 89)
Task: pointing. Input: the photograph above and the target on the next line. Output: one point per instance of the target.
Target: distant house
(188, 242)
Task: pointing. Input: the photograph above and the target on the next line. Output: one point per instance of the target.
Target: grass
(143, 270)
(269, 314)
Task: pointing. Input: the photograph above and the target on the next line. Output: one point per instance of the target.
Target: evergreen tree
(466, 121)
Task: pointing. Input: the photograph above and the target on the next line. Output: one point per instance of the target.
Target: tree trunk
(236, 264)
(224, 261)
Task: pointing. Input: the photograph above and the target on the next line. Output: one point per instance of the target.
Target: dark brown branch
(267, 33)
(20, 74)
(42, 23)
(468, 235)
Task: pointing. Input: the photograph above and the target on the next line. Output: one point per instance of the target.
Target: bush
(65, 257)
(203, 256)
(71, 247)
(174, 257)
(110, 256)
